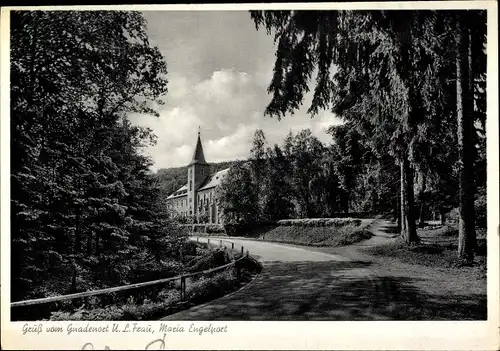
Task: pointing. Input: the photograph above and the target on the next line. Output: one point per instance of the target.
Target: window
(190, 185)
(190, 200)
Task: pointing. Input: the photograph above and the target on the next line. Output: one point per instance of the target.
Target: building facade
(197, 199)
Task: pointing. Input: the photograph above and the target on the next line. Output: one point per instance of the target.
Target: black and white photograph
(248, 165)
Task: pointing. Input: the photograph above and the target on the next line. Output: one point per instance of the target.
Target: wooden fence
(182, 278)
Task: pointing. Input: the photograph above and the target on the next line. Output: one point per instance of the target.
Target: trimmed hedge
(318, 236)
(215, 229)
(319, 222)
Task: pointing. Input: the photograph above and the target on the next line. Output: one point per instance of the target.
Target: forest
(411, 88)
(305, 178)
(86, 211)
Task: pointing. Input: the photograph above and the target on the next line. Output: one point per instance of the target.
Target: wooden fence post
(232, 246)
(183, 288)
(242, 251)
(220, 244)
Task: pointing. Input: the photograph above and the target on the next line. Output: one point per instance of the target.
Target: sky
(219, 68)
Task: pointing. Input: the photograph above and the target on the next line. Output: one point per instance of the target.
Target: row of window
(202, 199)
(185, 213)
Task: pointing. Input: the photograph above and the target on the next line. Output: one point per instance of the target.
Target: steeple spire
(198, 156)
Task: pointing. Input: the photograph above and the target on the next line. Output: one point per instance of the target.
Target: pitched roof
(213, 180)
(209, 182)
(198, 156)
(182, 191)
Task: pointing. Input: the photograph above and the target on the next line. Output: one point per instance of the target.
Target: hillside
(173, 178)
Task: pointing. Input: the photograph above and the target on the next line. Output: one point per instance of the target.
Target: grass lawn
(335, 235)
(425, 280)
(438, 248)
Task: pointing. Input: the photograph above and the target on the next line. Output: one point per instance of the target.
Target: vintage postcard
(250, 176)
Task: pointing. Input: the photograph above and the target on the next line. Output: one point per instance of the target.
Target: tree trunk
(78, 234)
(89, 244)
(422, 200)
(397, 211)
(73, 278)
(409, 228)
(402, 226)
(465, 130)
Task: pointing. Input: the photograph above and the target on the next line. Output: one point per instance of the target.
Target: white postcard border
(461, 335)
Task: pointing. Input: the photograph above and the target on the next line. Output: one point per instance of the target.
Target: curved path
(299, 283)
(344, 283)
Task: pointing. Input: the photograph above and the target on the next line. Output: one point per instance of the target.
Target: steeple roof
(198, 156)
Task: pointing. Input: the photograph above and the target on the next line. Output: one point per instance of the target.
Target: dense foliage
(305, 178)
(411, 84)
(85, 209)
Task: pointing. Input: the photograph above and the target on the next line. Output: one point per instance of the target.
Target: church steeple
(198, 156)
(198, 171)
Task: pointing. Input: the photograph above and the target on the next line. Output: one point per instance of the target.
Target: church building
(197, 199)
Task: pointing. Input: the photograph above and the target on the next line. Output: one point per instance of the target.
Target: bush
(480, 206)
(453, 216)
(153, 270)
(131, 310)
(319, 222)
(214, 229)
(318, 235)
(149, 310)
(208, 288)
(207, 228)
(180, 219)
(210, 260)
(189, 248)
(197, 228)
(111, 313)
(240, 228)
(198, 291)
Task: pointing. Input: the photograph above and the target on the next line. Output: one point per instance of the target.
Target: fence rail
(116, 289)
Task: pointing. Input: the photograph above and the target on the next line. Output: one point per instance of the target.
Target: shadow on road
(337, 291)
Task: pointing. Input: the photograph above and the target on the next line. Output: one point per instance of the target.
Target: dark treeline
(304, 178)
(85, 210)
(411, 84)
